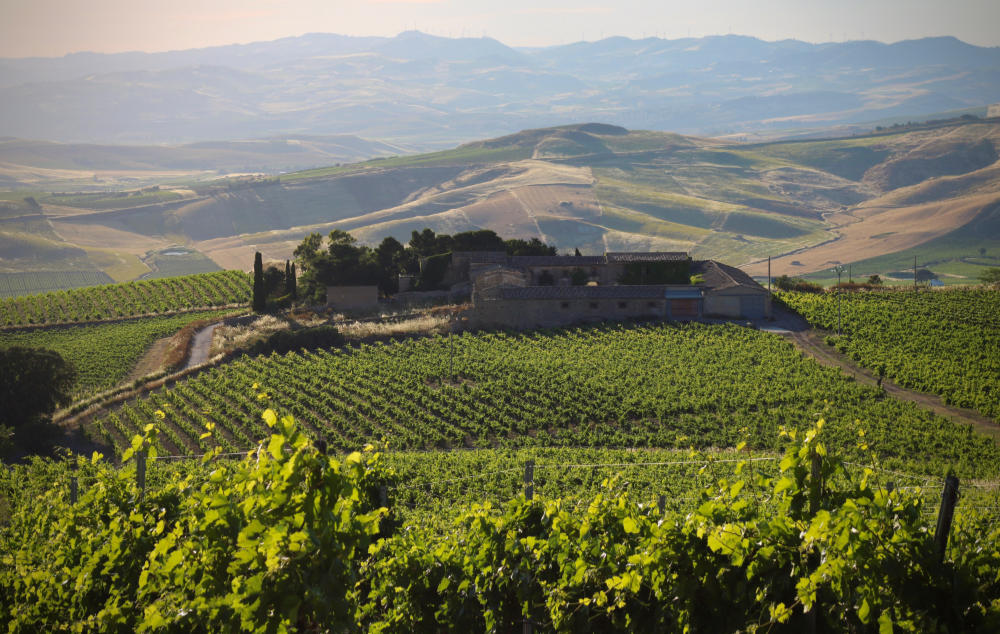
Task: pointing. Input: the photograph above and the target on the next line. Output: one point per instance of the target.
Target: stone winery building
(532, 291)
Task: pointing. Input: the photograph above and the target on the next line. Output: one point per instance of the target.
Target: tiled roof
(584, 292)
(652, 256)
(719, 276)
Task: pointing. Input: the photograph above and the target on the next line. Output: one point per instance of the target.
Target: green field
(946, 342)
(742, 542)
(129, 299)
(103, 354)
(695, 476)
(177, 261)
(16, 284)
(652, 386)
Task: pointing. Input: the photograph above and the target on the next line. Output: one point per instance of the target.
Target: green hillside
(590, 186)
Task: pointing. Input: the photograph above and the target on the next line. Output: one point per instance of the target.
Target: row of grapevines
(944, 342)
(664, 385)
(291, 539)
(129, 299)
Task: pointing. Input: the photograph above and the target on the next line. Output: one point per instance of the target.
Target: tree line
(338, 260)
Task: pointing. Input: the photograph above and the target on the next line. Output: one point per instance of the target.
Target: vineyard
(14, 284)
(104, 354)
(130, 299)
(665, 385)
(946, 343)
(287, 538)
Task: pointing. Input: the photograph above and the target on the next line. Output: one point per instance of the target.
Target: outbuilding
(731, 293)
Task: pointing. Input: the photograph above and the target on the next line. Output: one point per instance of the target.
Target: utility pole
(914, 272)
(768, 274)
(839, 269)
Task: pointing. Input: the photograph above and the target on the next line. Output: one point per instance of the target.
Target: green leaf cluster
(267, 543)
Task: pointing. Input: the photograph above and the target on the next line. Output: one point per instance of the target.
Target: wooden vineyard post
(74, 484)
(529, 494)
(949, 498)
(386, 527)
(661, 503)
(815, 490)
(140, 472)
(815, 483)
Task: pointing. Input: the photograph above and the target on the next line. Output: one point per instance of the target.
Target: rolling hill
(595, 187)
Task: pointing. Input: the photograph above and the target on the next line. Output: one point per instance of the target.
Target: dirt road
(811, 343)
(201, 345)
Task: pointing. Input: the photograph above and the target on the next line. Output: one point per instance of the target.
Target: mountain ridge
(428, 91)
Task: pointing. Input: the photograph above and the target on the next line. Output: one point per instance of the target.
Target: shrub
(786, 283)
(284, 341)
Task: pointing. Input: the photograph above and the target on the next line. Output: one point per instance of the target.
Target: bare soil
(152, 361)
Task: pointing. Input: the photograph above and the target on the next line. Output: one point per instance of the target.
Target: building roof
(556, 260)
(658, 291)
(482, 257)
(648, 256)
(719, 276)
(499, 257)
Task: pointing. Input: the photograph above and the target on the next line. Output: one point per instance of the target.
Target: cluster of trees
(272, 285)
(787, 283)
(991, 276)
(340, 261)
(33, 383)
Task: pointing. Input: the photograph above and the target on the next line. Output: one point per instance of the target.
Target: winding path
(811, 342)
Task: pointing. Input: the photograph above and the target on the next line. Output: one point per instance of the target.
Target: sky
(52, 28)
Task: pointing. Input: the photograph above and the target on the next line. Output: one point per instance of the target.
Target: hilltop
(596, 187)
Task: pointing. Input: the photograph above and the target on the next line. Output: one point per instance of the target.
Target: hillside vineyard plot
(129, 299)
(662, 385)
(289, 538)
(103, 354)
(944, 342)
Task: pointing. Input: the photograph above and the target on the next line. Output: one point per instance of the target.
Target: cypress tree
(293, 290)
(288, 278)
(259, 297)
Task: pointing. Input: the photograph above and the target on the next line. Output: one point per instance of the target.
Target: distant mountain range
(428, 92)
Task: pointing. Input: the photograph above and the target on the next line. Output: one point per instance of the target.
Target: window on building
(622, 304)
(593, 304)
(651, 304)
(564, 305)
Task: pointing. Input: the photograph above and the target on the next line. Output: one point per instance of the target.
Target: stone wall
(352, 297)
(727, 303)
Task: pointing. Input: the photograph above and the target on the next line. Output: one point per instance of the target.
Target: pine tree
(259, 293)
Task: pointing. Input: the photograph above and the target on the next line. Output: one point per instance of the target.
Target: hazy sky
(57, 27)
